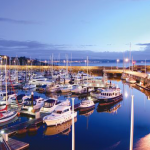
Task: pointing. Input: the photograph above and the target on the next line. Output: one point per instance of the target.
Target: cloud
(143, 44)
(21, 44)
(8, 20)
(36, 49)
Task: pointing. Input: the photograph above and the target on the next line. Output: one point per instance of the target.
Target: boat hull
(86, 108)
(110, 101)
(59, 121)
(5, 119)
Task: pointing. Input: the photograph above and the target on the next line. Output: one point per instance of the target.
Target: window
(58, 112)
(66, 110)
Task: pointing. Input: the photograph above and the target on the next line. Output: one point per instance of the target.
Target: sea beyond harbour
(108, 64)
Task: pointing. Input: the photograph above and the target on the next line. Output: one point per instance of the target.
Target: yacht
(10, 95)
(17, 99)
(130, 80)
(53, 88)
(60, 115)
(81, 90)
(51, 103)
(40, 81)
(86, 105)
(32, 103)
(110, 96)
(29, 86)
(66, 88)
(97, 93)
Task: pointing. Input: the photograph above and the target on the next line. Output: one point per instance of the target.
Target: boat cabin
(111, 93)
(49, 103)
(62, 109)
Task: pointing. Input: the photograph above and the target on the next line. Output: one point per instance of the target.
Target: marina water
(103, 128)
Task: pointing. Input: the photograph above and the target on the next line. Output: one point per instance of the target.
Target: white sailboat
(6, 115)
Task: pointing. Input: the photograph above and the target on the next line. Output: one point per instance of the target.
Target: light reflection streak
(132, 123)
(73, 132)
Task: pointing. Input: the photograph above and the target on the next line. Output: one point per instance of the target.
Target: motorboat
(42, 88)
(10, 95)
(110, 96)
(32, 103)
(40, 81)
(29, 86)
(51, 103)
(86, 105)
(60, 115)
(81, 89)
(53, 88)
(97, 93)
(130, 80)
(66, 88)
(17, 99)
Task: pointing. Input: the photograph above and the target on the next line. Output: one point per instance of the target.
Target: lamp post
(117, 63)
(73, 133)
(85, 62)
(28, 62)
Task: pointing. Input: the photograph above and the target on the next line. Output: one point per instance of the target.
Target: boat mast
(67, 64)
(130, 57)
(6, 78)
(87, 70)
(145, 65)
(132, 63)
(52, 65)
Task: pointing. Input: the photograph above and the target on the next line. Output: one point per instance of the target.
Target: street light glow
(126, 60)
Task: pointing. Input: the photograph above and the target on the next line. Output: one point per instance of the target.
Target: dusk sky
(36, 28)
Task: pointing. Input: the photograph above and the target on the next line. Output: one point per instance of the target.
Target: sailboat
(5, 114)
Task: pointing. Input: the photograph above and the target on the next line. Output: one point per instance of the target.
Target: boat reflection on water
(63, 129)
(143, 143)
(87, 112)
(109, 109)
(146, 92)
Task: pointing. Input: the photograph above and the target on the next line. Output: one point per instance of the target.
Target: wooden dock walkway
(13, 144)
(15, 128)
(2, 146)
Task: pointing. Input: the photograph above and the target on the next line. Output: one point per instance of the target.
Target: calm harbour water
(105, 128)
